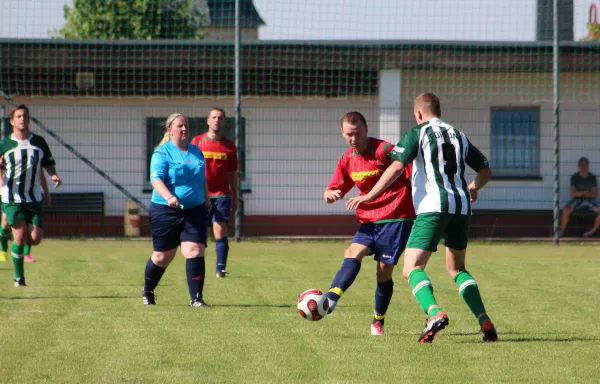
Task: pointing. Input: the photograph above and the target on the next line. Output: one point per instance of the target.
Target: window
(155, 130)
(515, 142)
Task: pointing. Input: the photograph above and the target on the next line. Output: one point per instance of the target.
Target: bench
(83, 202)
(77, 203)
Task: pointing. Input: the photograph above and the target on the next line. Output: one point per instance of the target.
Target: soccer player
(178, 210)
(23, 154)
(221, 173)
(385, 223)
(442, 199)
(584, 190)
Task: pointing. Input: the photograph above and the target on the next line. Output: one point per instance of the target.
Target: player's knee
(36, 240)
(567, 210)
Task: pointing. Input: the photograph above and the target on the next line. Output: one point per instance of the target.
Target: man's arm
(481, 179)
(387, 178)
(340, 184)
(44, 184)
(51, 170)
(233, 184)
(591, 194)
(403, 153)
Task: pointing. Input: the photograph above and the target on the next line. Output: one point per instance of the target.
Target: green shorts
(429, 228)
(31, 213)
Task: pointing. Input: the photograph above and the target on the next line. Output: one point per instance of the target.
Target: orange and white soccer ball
(313, 304)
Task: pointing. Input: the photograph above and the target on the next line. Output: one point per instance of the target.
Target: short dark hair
(217, 109)
(583, 160)
(428, 102)
(17, 108)
(354, 118)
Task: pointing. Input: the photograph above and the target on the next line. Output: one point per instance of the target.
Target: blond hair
(429, 104)
(168, 122)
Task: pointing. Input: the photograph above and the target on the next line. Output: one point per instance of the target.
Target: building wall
(293, 144)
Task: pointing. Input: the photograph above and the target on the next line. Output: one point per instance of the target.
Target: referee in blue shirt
(179, 208)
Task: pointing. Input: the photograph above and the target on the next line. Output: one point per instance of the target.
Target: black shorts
(170, 226)
(583, 205)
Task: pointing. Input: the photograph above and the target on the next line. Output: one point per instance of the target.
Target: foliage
(132, 20)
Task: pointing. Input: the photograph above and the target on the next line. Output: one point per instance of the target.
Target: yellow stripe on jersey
(215, 155)
(337, 290)
(360, 176)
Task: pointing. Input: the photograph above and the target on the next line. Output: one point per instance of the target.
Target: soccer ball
(312, 304)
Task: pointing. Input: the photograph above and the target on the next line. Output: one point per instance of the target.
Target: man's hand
(354, 202)
(56, 180)
(473, 192)
(234, 206)
(332, 195)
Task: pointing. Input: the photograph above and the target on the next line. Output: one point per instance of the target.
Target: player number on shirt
(449, 154)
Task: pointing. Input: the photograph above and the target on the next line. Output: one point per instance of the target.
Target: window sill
(517, 178)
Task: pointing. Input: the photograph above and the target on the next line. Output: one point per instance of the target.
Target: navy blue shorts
(170, 226)
(219, 210)
(386, 241)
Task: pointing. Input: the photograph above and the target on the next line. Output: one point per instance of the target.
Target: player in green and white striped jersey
(442, 198)
(23, 155)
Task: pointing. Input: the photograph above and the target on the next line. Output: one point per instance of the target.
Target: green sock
(27, 249)
(423, 291)
(4, 235)
(467, 288)
(17, 256)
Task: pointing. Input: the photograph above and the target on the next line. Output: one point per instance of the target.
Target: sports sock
(467, 288)
(423, 291)
(195, 271)
(17, 256)
(222, 251)
(383, 296)
(4, 236)
(343, 280)
(27, 249)
(152, 275)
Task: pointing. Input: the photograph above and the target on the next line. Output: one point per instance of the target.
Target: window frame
(534, 172)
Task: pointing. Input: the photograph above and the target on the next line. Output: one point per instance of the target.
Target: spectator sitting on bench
(584, 190)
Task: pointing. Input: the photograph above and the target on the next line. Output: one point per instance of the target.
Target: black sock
(222, 251)
(153, 275)
(195, 271)
(383, 296)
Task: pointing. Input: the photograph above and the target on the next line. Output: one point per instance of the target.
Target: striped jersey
(364, 169)
(439, 154)
(23, 160)
(221, 158)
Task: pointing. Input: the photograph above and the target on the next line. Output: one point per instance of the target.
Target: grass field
(81, 319)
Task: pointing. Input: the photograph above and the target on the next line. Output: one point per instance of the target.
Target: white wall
(293, 144)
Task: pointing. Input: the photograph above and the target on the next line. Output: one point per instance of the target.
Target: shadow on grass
(254, 306)
(65, 297)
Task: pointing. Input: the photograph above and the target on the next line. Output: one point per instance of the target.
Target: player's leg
(361, 246)
(36, 216)
(565, 215)
(4, 237)
(193, 246)
(220, 210)
(390, 241)
(456, 251)
(592, 206)
(424, 238)
(165, 227)
(17, 220)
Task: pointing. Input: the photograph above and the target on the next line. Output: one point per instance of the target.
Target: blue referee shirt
(183, 173)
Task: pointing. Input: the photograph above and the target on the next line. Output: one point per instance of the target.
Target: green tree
(132, 20)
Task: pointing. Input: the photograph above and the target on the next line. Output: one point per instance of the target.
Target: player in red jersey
(221, 174)
(385, 223)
